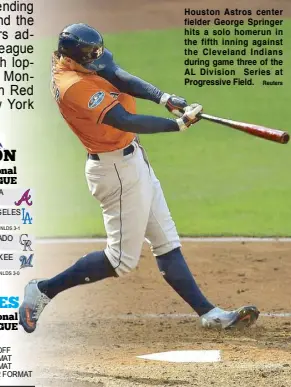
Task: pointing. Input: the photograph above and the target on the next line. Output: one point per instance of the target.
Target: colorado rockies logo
(25, 242)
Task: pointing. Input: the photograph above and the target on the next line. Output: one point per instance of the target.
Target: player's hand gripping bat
(255, 130)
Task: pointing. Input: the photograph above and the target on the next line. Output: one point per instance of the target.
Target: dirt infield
(91, 335)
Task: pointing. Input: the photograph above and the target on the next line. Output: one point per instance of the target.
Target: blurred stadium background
(216, 181)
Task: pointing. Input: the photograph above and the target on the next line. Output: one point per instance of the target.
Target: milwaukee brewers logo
(26, 261)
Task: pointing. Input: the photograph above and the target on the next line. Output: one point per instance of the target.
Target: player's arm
(137, 87)
(101, 108)
(130, 84)
(121, 119)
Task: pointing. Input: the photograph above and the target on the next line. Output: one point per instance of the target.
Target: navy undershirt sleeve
(119, 118)
(130, 84)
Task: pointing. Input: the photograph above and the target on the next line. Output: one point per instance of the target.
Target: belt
(126, 151)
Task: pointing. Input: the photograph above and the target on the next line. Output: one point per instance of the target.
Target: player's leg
(165, 243)
(126, 219)
(162, 235)
(124, 190)
(38, 293)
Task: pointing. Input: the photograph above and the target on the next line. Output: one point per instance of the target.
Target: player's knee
(124, 263)
(126, 266)
(166, 247)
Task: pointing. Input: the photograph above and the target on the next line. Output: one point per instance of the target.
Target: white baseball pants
(133, 205)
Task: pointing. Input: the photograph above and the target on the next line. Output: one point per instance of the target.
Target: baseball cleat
(222, 319)
(33, 304)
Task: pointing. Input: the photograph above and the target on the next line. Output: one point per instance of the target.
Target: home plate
(185, 356)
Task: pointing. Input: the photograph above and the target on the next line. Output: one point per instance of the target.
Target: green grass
(216, 181)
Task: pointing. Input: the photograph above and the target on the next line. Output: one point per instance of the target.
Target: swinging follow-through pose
(97, 100)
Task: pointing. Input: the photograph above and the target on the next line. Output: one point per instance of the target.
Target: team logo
(96, 99)
(24, 198)
(99, 52)
(114, 95)
(57, 94)
(26, 261)
(26, 218)
(25, 242)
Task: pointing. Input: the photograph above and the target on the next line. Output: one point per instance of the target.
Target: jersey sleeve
(88, 101)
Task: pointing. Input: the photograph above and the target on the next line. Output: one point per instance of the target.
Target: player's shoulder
(82, 85)
(66, 80)
(70, 81)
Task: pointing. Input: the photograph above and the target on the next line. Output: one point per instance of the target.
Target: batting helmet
(85, 46)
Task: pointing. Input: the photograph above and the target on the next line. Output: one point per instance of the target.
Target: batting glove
(190, 116)
(174, 104)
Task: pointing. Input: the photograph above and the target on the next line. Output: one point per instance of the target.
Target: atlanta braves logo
(25, 198)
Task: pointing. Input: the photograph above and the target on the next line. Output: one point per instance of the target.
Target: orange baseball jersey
(84, 98)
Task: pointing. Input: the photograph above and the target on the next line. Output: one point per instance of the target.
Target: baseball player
(96, 97)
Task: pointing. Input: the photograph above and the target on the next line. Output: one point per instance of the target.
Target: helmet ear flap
(67, 43)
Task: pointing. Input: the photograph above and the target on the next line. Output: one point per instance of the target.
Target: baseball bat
(255, 130)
